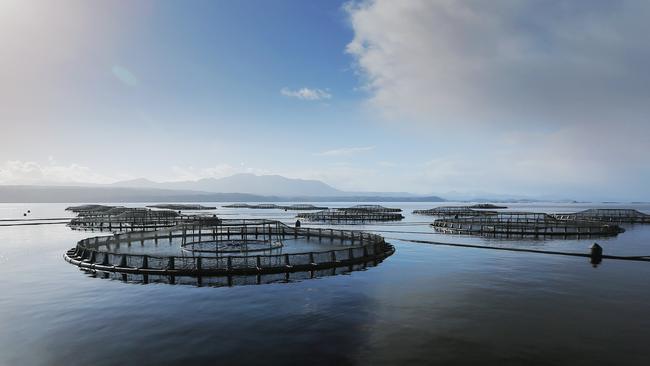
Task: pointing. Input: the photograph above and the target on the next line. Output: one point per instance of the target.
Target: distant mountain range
(236, 188)
(264, 185)
(72, 194)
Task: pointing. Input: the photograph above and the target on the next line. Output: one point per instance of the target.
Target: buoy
(596, 254)
(24, 214)
(29, 211)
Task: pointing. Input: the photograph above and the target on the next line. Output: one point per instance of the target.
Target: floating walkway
(524, 224)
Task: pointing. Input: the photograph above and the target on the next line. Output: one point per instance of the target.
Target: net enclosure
(295, 207)
(606, 215)
(177, 207)
(524, 223)
(118, 218)
(453, 211)
(231, 247)
(354, 215)
(487, 206)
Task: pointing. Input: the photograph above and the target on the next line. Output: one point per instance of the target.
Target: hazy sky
(505, 96)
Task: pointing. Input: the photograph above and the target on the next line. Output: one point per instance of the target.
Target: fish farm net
(182, 207)
(232, 247)
(119, 219)
(453, 211)
(606, 215)
(267, 206)
(525, 224)
(354, 215)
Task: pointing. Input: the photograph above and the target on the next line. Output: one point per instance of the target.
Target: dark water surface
(424, 305)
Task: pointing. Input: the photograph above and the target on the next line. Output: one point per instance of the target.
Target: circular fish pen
(303, 207)
(487, 206)
(268, 206)
(607, 215)
(229, 248)
(238, 205)
(182, 207)
(523, 224)
(371, 208)
(354, 215)
(121, 219)
(453, 211)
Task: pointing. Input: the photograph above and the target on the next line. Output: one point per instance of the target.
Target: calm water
(426, 304)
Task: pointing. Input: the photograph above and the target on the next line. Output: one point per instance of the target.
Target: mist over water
(424, 304)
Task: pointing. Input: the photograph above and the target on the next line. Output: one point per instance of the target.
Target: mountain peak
(267, 185)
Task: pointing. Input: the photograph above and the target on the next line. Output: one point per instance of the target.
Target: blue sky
(515, 98)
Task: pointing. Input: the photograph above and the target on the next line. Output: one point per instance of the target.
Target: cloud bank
(551, 62)
(553, 92)
(29, 172)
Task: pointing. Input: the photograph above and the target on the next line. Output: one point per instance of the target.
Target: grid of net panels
(524, 223)
(340, 248)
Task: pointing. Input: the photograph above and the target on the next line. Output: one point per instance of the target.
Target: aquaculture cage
(351, 216)
(606, 215)
(524, 223)
(487, 206)
(231, 247)
(238, 205)
(265, 206)
(89, 208)
(303, 207)
(371, 208)
(119, 219)
(453, 211)
(180, 207)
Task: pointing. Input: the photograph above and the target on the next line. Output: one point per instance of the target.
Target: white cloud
(504, 62)
(306, 93)
(345, 151)
(29, 172)
(523, 95)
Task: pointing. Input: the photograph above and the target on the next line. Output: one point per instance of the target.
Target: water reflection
(229, 281)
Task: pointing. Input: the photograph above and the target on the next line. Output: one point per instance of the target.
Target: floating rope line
(641, 258)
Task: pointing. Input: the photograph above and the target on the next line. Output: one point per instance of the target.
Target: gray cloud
(552, 62)
(559, 90)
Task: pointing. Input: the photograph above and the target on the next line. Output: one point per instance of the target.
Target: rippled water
(425, 304)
